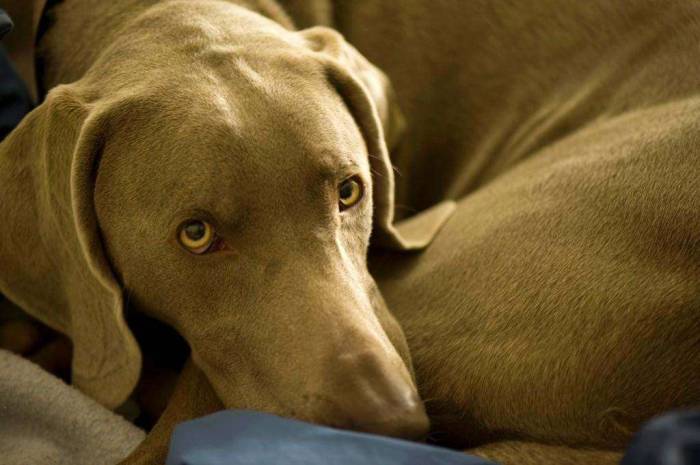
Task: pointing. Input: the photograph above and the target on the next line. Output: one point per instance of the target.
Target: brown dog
(526, 314)
(237, 170)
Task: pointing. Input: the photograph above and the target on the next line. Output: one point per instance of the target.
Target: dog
(572, 240)
(77, 176)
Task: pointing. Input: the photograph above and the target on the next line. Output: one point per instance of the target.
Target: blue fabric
(240, 437)
(14, 98)
(249, 438)
(672, 439)
(15, 101)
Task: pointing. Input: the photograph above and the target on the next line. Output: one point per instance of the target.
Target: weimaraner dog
(238, 169)
(206, 148)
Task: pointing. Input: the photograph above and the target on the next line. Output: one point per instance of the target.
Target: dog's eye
(197, 236)
(350, 192)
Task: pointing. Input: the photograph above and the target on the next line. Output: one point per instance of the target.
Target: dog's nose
(407, 420)
(381, 398)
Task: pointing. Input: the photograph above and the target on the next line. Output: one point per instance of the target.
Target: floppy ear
(378, 87)
(368, 94)
(51, 256)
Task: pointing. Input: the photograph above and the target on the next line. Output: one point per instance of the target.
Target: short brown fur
(558, 308)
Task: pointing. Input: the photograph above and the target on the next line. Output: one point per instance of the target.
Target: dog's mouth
(368, 399)
(368, 389)
(373, 394)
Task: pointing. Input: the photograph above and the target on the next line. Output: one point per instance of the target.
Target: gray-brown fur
(558, 307)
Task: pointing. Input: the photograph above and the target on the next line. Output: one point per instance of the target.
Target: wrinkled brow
(334, 164)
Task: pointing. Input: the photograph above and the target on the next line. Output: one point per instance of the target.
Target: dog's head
(224, 175)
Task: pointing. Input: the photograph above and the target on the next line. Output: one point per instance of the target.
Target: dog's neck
(73, 40)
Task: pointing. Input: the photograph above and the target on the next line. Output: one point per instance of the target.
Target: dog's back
(575, 314)
(487, 84)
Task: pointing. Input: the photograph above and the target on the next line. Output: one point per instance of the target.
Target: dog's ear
(368, 94)
(378, 87)
(52, 261)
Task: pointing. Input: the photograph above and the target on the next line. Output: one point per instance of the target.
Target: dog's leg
(530, 453)
(193, 397)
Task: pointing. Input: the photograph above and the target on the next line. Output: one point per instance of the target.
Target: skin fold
(554, 312)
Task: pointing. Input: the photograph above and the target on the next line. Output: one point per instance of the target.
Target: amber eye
(349, 192)
(196, 236)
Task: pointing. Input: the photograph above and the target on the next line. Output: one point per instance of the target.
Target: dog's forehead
(258, 109)
(222, 137)
(226, 113)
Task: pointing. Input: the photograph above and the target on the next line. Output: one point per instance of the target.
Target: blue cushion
(671, 439)
(239, 437)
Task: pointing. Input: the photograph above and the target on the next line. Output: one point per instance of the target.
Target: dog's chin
(404, 419)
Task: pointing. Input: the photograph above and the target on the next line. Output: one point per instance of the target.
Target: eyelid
(339, 171)
(348, 170)
(218, 244)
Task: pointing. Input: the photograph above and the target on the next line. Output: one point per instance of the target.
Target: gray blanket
(44, 421)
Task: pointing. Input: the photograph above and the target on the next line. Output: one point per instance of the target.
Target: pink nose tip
(380, 398)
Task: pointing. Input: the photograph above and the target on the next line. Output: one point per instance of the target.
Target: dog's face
(238, 208)
(228, 188)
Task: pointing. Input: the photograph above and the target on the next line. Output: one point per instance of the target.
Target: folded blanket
(239, 437)
(43, 421)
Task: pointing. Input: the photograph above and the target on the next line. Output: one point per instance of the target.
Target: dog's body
(569, 132)
(558, 308)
